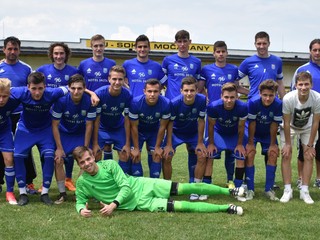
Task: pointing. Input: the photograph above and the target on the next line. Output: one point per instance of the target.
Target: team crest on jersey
(49, 77)
(157, 114)
(8, 113)
(122, 105)
(66, 77)
(234, 118)
(273, 66)
(89, 70)
(194, 110)
(149, 71)
(191, 66)
(105, 70)
(229, 76)
(83, 112)
(133, 72)
(271, 114)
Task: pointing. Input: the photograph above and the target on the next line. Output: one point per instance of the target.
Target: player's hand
(135, 155)
(286, 150)
(59, 155)
(211, 150)
(97, 152)
(201, 150)
(158, 152)
(85, 212)
(240, 151)
(94, 99)
(125, 152)
(107, 209)
(168, 152)
(310, 151)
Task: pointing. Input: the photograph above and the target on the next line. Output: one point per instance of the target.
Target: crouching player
(264, 117)
(106, 182)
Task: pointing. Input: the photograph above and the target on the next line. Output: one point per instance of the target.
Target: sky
(291, 24)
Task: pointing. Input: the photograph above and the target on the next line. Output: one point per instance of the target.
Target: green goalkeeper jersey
(109, 184)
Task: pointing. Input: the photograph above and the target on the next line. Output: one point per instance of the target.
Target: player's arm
(201, 87)
(240, 148)
(59, 153)
(126, 148)
(168, 149)
(200, 146)
(88, 133)
(241, 89)
(135, 151)
(160, 135)
(273, 139)
(212, 149)
(94, 98)
(281, 89)
(287, 148)
(95, 145)
(251, 132)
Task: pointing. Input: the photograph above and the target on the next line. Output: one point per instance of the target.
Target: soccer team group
(85, 113)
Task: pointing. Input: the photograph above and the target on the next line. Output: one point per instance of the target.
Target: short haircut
(79, 151)
(77, 78)
(65, 47)
(189, 80)
(142, 38)
(13, 40)
(262, 34)
(152, 82)
(97, 37)
(303, 76)
(36, 78)
(219, 44)
(228, 87)
(314, 41)
(118, 69)
(5, 84)
(268, 84)
(182, 34)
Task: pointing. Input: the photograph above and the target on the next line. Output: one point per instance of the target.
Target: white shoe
(287, 195)
(203, 197)
(305, 196)
(233, 209)
(241, 199)
(194, 197)
(271, 195)
(250, 195)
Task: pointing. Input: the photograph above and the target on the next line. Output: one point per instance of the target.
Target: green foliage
(263, 219)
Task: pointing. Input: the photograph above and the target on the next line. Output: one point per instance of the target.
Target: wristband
(116, 203)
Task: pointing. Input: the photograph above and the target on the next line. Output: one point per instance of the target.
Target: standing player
(177, 67)
(106, 182)
(112, 125)
(58, 74)
(72, 126)
(35, 129)
(262, 66)
(7, 105)
(264, 117)
(213, 76)
(301, 115)
(226, 130)
(17, 72)
(186, 126)
(149, 116)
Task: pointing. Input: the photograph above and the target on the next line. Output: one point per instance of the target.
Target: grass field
(263, 219)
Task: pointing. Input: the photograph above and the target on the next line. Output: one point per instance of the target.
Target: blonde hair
(5, 83)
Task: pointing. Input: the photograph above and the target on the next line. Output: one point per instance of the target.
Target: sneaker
(30, 189)
(245, 186)
(317, 183)
(11, 199)
(249, 195)
(46, 199)
(287, 195)
(61, 198)
(305, 196)
(69, 185)
(233, 209)
(230, 184)
(237, 191)
(203, 197)
(40, 190)
(194, 197)
(271, 195)
(275, 187)
(299, 183)
(23, 200)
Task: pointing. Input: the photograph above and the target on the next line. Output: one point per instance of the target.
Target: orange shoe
(11, 199)
(69, 185)
(30, 189)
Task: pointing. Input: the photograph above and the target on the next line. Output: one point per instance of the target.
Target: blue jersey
(36, 113)
(95, 73)
(177, 68)
(264, 116)
(314, 70)
(259, 69)
(56, 77)
(73, 116)
(112, 108)
(5, 111)
(149, 116)
(227, 120)
(186, 117)
(139, 72)
(215, 77)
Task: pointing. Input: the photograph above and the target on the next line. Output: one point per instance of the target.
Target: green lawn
(262, 219)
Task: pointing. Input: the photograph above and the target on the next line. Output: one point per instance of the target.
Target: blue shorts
(150, 138)
(24, 140)
(117, 137)
(6, 140)
(71, 141)
(264, 142)
(179, 138)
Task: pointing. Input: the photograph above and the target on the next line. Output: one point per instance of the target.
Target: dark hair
(262, 35)
(142, 38)
(229, 87)
(13, 40)
(302, 76)
(118, 69)
(189, 80)
(65, 48)
(77, 78)
(314, 41)
(219, 44)
(152, 82)
(36, 78)
(269, 84)
(182, 34)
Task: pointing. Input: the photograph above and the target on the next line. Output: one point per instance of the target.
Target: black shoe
(61, 198)
(45, 199)
(235, 210)
(23, 200)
